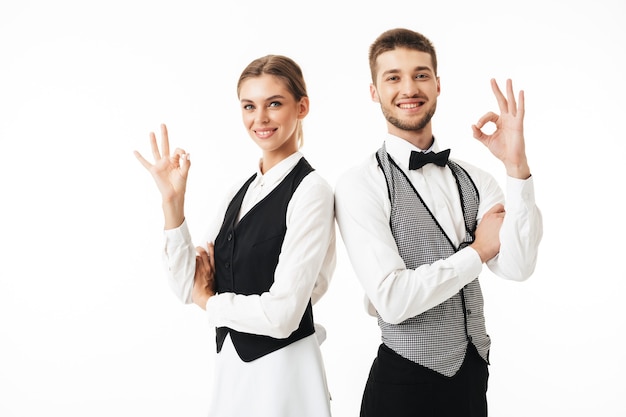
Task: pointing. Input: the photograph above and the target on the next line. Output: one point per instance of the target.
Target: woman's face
(270, 113)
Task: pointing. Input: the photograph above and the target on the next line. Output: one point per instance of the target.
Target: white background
(88, 325)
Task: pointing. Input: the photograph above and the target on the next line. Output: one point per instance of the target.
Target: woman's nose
(262, 116)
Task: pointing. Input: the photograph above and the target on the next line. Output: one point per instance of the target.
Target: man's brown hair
(400, 38)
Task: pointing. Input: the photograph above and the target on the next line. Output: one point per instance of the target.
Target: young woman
(270, 257)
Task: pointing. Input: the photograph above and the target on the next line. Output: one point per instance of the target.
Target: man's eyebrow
(416, 69)
(391, 71)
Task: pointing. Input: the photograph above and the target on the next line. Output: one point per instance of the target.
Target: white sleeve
(520, 234)
(396, 293)
(304, 267)
(179, 259)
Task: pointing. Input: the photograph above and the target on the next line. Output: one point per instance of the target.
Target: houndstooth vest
(437, 338)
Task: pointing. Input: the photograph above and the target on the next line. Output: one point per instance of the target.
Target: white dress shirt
(307, 259)
(293, 378)
(362, 209)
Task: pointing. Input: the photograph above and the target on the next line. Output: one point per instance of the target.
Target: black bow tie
(419, 159)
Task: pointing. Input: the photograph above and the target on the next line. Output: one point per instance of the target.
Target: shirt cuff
(520, 193)
(178, 235)
(468, 265)
(212, 308)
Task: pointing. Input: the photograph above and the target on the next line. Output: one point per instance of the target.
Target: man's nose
(409, 87)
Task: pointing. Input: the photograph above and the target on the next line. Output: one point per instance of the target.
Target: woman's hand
(507, 142)
(170, 174)
(204, 278)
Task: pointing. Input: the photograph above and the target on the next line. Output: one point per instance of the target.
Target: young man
(418, 228)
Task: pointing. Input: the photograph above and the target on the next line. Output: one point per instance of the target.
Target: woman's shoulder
(315, 180)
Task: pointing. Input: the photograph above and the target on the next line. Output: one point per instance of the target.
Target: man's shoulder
(472, 169)
(359, 172)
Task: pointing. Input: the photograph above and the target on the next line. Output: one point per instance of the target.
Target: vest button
(230, 236)
(227, 265)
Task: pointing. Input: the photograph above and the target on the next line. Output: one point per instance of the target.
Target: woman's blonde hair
(285, 69)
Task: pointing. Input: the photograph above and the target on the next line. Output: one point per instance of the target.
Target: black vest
(246, 256)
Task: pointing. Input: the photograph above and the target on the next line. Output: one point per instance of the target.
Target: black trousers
(398, 387)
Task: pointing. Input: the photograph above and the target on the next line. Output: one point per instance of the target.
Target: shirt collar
(278, 171)
(400, 149)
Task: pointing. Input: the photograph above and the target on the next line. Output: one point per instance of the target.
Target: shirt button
(469, 311)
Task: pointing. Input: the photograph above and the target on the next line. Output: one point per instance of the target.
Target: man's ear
(374, 93)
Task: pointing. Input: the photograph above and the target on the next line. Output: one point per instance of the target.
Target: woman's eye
(274, 104)
(248, 107)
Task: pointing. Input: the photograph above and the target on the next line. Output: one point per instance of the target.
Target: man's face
(406, 88)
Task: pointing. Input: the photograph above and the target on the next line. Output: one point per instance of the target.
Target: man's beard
(415, 126)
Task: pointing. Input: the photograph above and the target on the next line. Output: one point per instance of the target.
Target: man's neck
(422, 139)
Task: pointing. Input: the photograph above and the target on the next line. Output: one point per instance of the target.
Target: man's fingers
(497, 208)
(512, 105)
(486, 118)
(502, 103)
(490, 117)
(520, 104)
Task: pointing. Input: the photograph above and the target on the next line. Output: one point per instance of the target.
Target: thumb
(498, 208)
(185, 163)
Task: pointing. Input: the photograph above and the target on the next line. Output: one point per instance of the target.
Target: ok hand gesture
(170, 175)
(507, 141)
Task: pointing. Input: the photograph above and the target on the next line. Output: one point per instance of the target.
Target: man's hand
(204, 278)
(487, 236)
(507, 142)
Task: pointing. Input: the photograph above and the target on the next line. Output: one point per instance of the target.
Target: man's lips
(411, 105)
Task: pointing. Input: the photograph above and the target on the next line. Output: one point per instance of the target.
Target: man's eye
(421, 76)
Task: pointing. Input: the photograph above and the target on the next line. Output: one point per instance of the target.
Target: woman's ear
(303, 107)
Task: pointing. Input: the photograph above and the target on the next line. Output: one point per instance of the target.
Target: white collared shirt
(363, 211)
(305, 266)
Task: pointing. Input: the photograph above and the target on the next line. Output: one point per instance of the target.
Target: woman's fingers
(155, 148)
(147, 165)
(211, 253)
(165, 142)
